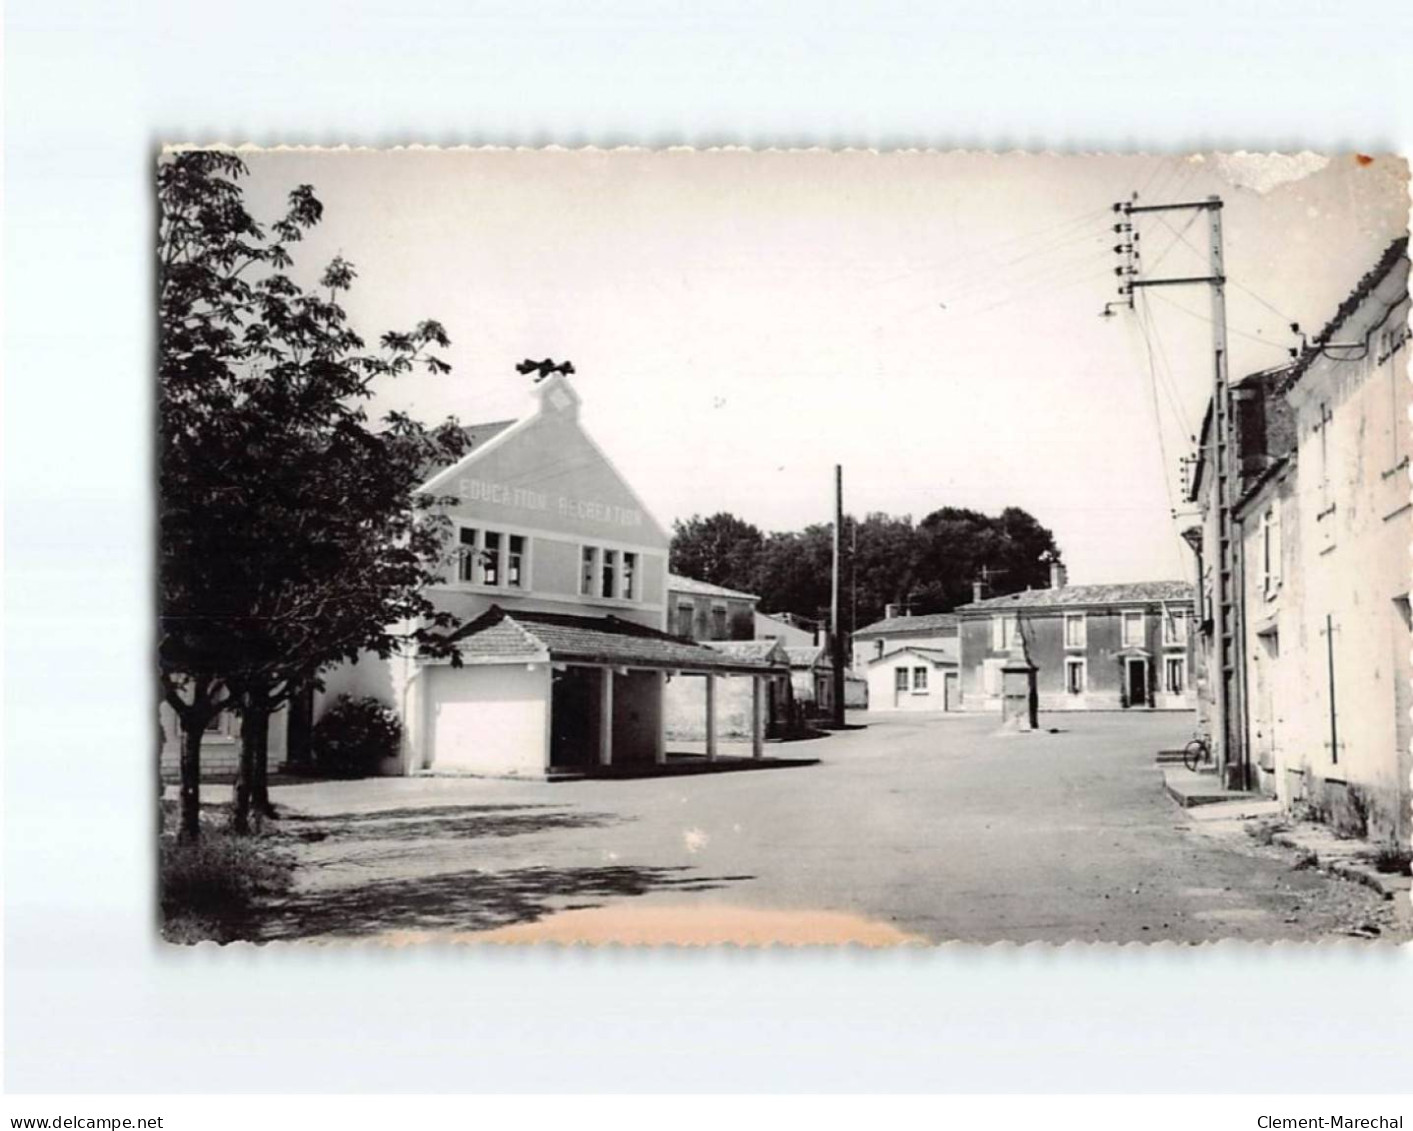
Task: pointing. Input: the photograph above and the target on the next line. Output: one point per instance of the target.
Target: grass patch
(210, 889)
(1394, 860)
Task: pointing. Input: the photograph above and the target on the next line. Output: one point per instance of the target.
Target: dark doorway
(299, 728)
(1138, 683)
(574, 718)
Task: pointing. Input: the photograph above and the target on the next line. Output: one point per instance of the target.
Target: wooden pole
(836, 634)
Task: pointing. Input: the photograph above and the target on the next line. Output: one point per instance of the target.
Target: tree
(721, 550)
(795, 568)
(290, 534)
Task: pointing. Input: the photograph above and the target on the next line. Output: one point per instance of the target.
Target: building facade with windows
(1095, 647)
(557, 574)
(1325, 524)
(897, 629)
(916, 677)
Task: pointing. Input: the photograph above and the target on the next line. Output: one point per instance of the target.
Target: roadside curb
(1388, 884)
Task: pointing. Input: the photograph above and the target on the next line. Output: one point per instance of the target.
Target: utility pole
(836, 635)
(1227, 636)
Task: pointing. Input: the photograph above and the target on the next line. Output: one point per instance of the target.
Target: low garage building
(916, 678)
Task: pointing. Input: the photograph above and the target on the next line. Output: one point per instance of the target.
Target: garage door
(489, 719)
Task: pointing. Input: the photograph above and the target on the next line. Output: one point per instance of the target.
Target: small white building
(916, 677)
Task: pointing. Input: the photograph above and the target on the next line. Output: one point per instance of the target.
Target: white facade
(915, 679)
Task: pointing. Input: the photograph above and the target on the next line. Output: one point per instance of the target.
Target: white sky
(740, 322)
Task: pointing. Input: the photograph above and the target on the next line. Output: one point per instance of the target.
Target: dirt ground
(908, 830)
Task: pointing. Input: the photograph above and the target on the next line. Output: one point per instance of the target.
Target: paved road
(913, 828)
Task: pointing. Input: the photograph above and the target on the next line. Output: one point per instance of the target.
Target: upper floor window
(1005, 632)
(877, 649)
(1174, 626)
(1133, 629)
(1075, 630)
(630, 576)
(685, 613)
(609, 575)
(515, 563)
(718, 622)
(490, 557)
(588, 570)
(466, 554)
(1270, 551)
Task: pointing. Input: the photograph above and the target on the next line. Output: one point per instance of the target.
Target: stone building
(1324, 518)
(1094, 647)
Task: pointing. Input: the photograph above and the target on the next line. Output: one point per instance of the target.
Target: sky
(740, 322)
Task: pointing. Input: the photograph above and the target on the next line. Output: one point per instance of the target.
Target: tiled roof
(1393, 254)
(1122, 593)
(768, 650)
(943, 655)
(805, 655)
(598, 640)
(930, 625)
(676, 583)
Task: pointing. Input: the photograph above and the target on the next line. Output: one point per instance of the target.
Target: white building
(558, 575)
(916, 677)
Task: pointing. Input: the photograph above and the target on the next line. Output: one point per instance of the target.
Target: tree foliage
(930, 565)
(290, 535)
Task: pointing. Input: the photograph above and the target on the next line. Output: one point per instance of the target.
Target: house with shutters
(1125, 646)
(1317, 701)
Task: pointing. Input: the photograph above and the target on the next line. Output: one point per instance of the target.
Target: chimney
(978, 589)
(890, 611)
(1059, 576)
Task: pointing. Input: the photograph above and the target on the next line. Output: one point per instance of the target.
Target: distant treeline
(928, 565)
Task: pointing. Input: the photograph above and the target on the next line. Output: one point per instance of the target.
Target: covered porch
(593, 696)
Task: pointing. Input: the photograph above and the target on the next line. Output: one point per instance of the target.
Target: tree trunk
(240, 813)
(256, 732)
(193, 727)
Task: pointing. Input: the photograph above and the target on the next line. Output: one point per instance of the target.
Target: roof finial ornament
(544, 368)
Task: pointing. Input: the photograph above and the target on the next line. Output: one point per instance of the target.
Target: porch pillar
(757, 711)
(711, 718)
(606, 718)
(660, 748)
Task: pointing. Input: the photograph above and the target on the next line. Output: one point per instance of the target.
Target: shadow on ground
(470, 900)
(443, 822)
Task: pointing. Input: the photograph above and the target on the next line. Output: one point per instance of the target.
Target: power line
(1234, 282)
(1168, 367)
(1230, 329)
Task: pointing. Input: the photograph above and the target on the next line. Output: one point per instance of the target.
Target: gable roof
(556, 399)
(805, 655)
(769, 651)
(1120, 593)
(476, 435)
(929, 625)
(1392, 256)
(524, 634)
(946, 654)
(678, 583)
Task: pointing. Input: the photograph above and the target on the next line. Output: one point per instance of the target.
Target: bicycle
(1197, 753)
